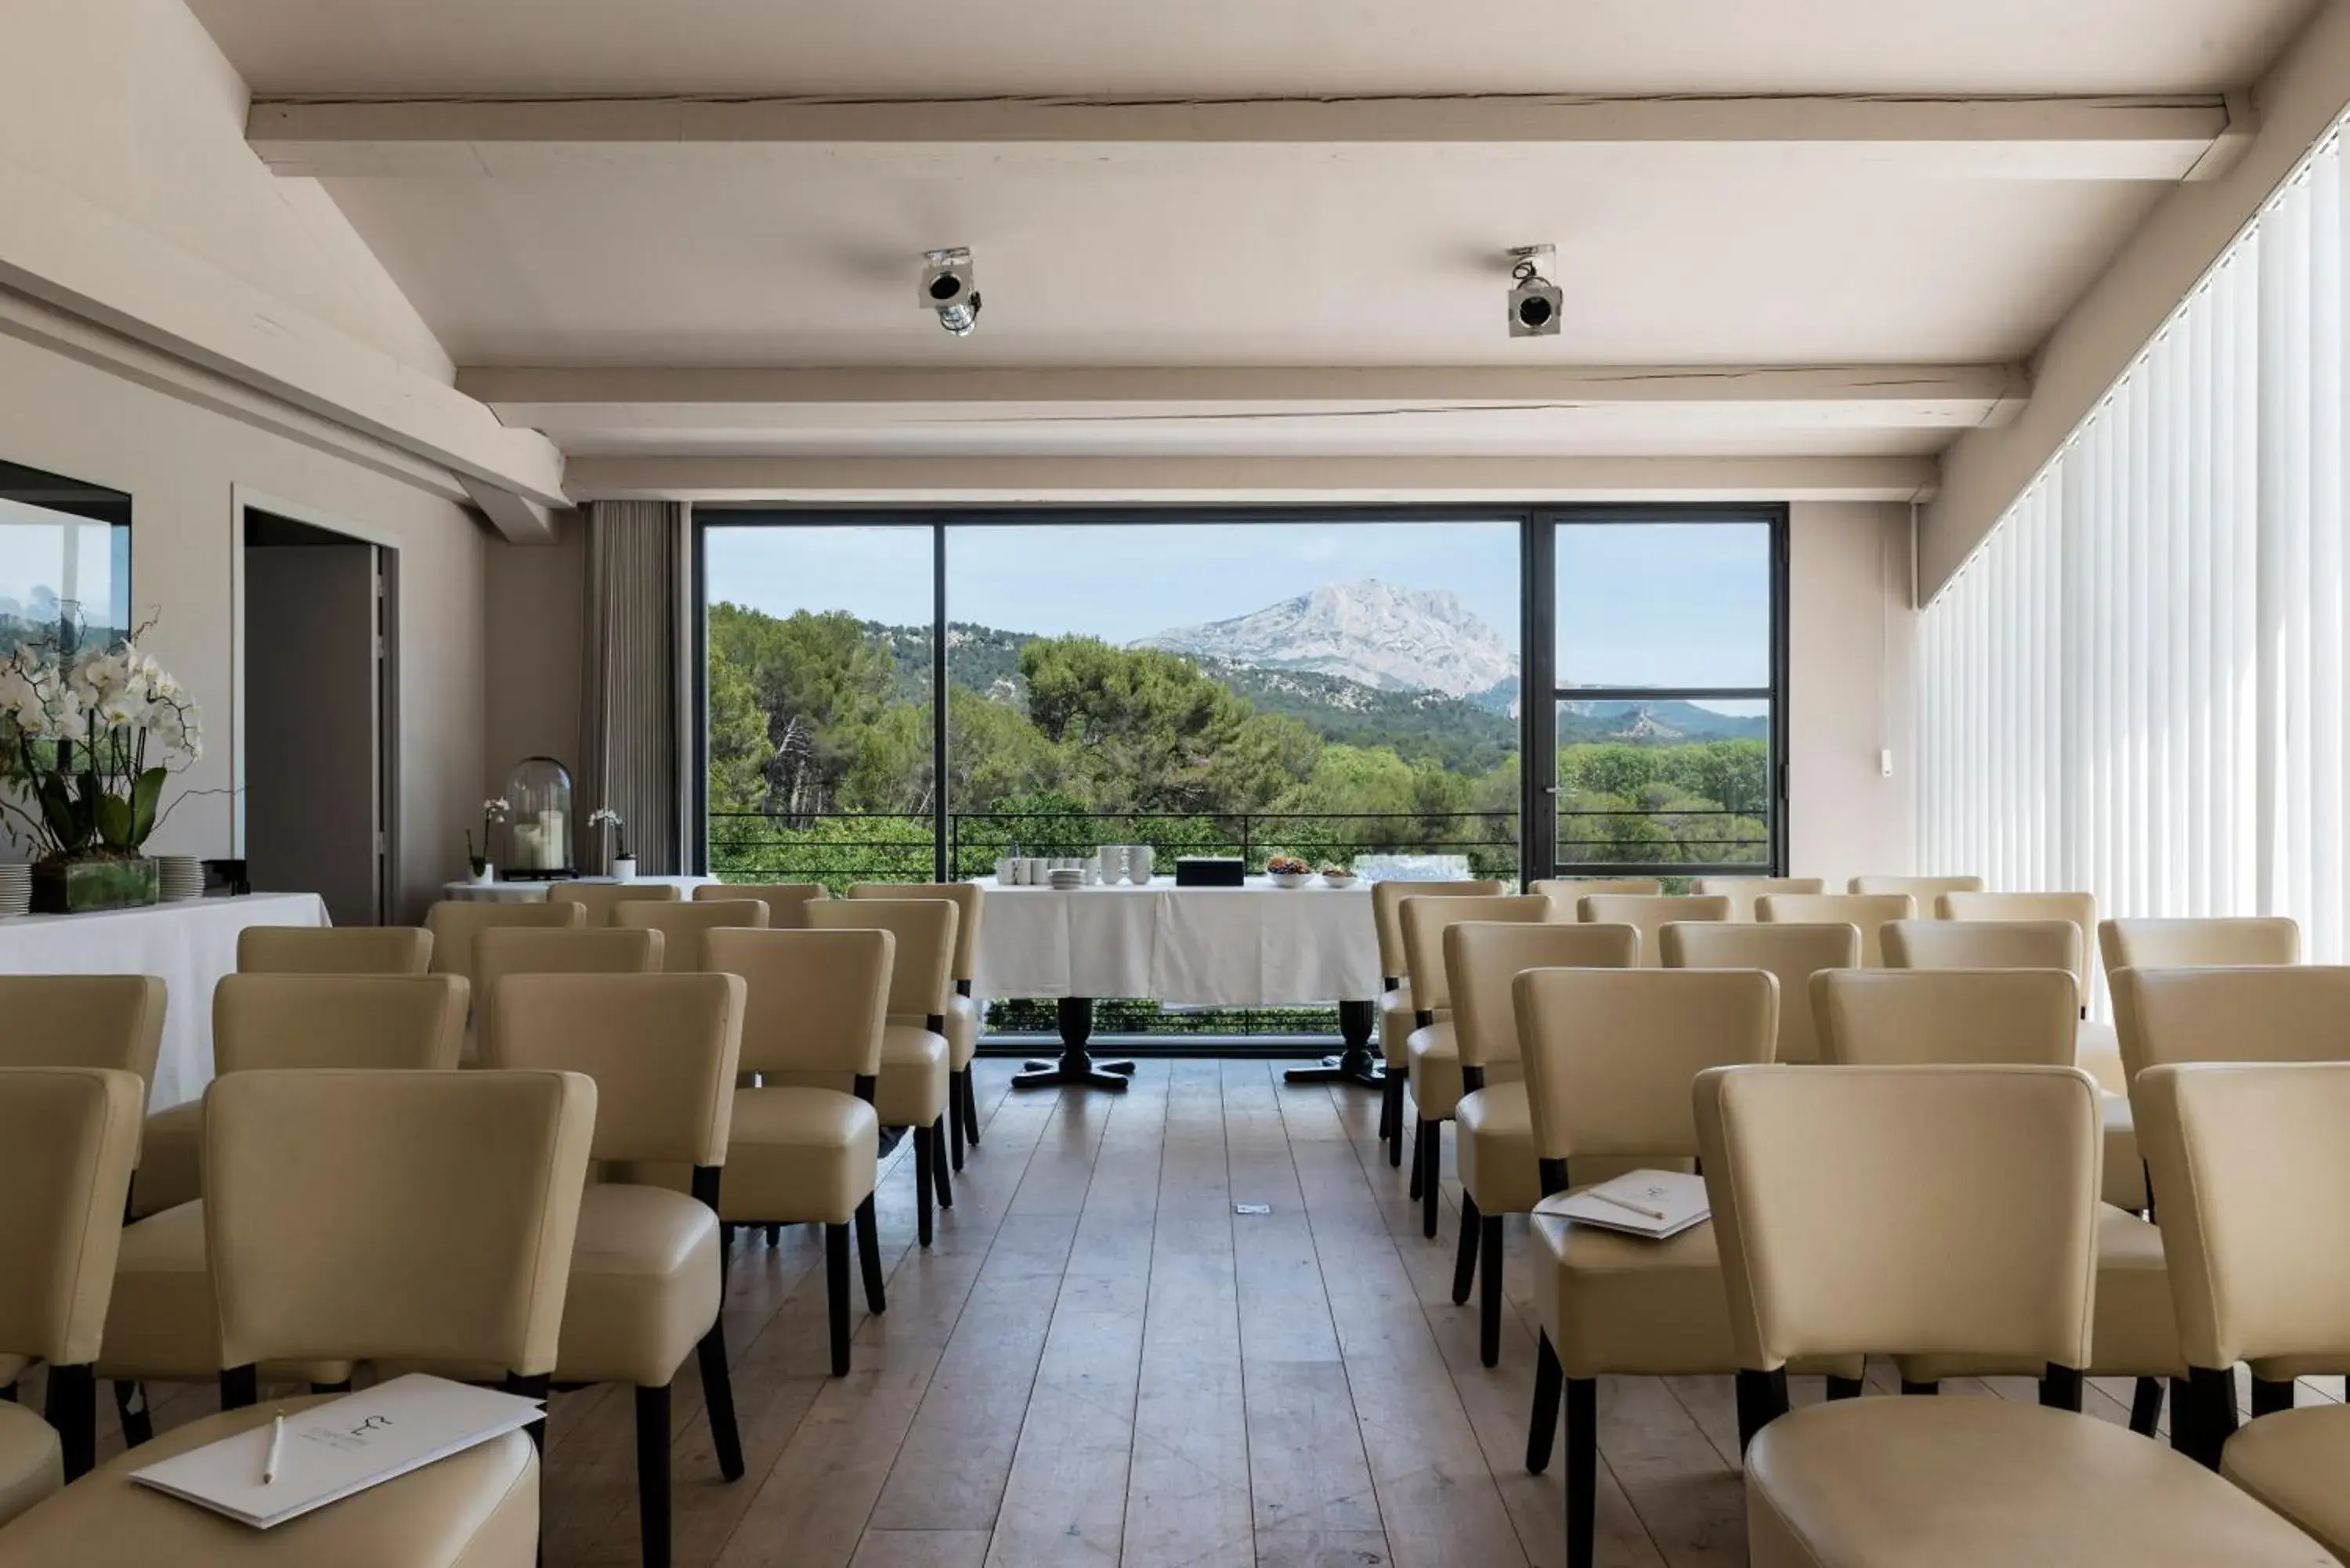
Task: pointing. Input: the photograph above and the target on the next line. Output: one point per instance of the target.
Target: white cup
(1139, 857)
(1007, 872)
(1032, 872)
(1109, 861)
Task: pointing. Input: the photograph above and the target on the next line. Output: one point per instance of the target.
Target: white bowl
(1292, 878)
(1338, 878)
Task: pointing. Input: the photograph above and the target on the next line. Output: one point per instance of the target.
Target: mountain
(1372, 633)
(1656, 723)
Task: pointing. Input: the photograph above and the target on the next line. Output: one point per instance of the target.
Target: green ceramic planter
(79, 886)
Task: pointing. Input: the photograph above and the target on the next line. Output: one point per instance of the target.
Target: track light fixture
(949, 288)
(1534, 300)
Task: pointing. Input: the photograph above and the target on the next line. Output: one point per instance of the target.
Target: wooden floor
(1098, 1362)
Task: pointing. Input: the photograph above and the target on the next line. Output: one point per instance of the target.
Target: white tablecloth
(1233, 947)
(536, 892)
(190, 944)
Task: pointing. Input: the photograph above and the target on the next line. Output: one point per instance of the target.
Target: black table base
(1355, 1064)
(1075, 1067)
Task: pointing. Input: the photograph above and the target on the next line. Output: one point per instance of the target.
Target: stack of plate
(1067, 878)
(179, 878)
(15, 889)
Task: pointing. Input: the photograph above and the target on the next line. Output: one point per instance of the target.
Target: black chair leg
(774, 1235)
(8, 1394)
(835, 1291)
(1432, 1180)
(2211, 1396)
(718, 1401)
(138, 1417)
(939, 1163)
(2145, 1406)
(2060, 1388)
(954, 1119)
(1582, 1468)
(1418, 1156)
(1391, 1117)
(239, 1387)
(652, 1474)
(2271, 1395)
(2182, 1416)
(1844, 1387)
(72, 1408)
(925, 1185)
(1489, 1299)
(1926, 1388)
(1464, 1264)
(1541, 1429)
(868, 1253)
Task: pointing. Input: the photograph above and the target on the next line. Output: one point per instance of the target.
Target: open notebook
(335, 1450)
(1651, 1204)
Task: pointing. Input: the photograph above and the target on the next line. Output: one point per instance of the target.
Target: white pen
(1655, 1214)
(276, 1443)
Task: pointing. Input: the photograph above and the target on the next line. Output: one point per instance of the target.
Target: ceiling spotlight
(1534, 300)
(949, 288)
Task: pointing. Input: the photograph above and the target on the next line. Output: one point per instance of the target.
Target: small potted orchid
(622, 863)
(494, 810)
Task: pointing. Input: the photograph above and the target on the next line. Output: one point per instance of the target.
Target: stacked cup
(15, 889)
(179, 878)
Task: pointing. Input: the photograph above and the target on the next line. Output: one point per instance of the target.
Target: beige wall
(1850, 639)
(536, 596)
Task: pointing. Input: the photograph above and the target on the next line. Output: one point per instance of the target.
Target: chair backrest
(1482, 959)
(1741, 891)
(68, 1137)
(2196, 944)
(1424, 921)
(663, 1050)
(1926, 890)
(1649, 914)
(2080, 908)
(1985, 944)
(787, 902)
(1947, 1017)
(504, 950)
(82, 1021)
(1387, 913)
(394, 1216)
(969, 900)
(2243, 1160)
(922, 977)
(1868, 913)
(1905, 1212)
(456, 923)
(2266, 1013)
(1565, 892)
(1791, 953)
(1609, 1055)
(601, 898)
(333, 949)
(276, 1020)
(683, 925)
(815, 1001)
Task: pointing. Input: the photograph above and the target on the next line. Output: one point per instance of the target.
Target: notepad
(1653, 1203)
(339, 1448)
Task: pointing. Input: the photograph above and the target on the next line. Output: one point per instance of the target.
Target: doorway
(319, 685)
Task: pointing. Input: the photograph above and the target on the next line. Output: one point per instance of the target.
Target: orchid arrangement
(86, 739)
(494, 810)
(604, 816)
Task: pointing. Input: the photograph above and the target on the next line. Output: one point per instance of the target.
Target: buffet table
(1252, 946)
(536, 892)
(191, 945)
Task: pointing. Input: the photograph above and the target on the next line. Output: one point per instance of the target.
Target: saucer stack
(1066, 878)
(179, 878)
(15, 889)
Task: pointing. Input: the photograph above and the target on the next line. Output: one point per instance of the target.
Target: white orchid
(112, 715)
(495, 809)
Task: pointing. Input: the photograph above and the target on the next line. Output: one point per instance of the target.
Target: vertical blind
(2135, 687)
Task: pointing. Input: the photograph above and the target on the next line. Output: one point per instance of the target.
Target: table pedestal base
(1355, 1064)
(1076, 1067)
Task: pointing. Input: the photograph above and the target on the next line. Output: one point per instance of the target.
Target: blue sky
(1648, 604)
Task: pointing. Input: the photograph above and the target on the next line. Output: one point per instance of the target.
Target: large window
(65, 559)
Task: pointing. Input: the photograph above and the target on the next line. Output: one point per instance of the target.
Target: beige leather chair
(2243, 1158)
(161, 1326)
(1565, 892)
(83, 1021)
(1500, 1172)
(912, 1090)
(504, 951)
(1609, 1058)
(1432, 1052)
(398, 1216)
(456, 923)
(1793, 954)
(647, 1271)
(965, 1015)
(68, 1136)
(1976, 1192)
(1741, 891)
(1398, 1017)
(2197, 944)
(1926, 890)
(787, 902)
(2018, 1017)
(802, 1147)
(333, 949)
(601, 898)
(1649, 914)
(2100, 1053)
(681, 925)
(1868, 913)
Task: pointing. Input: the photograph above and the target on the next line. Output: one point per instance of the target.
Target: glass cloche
(539, 831)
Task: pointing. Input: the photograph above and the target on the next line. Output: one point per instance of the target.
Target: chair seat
(1619, 1303)
(1397, 1021)
(2295, 1461)
(1925, 1483)
(474, 1509)
(2134, 1331)
(161, 1323)
(2125, 1178)
(32, 1461)
(644, 1286)
(1496, 1149)
(965, 1019)
(1434, 1054)
(170, 1155)
(912, 1091)
(798, 1157)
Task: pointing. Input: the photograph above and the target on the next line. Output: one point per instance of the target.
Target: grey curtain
(631, 727)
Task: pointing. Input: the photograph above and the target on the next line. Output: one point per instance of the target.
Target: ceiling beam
(2166, 138)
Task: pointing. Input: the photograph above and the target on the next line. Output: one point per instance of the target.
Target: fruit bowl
(1290, 878)
(1334, 877)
